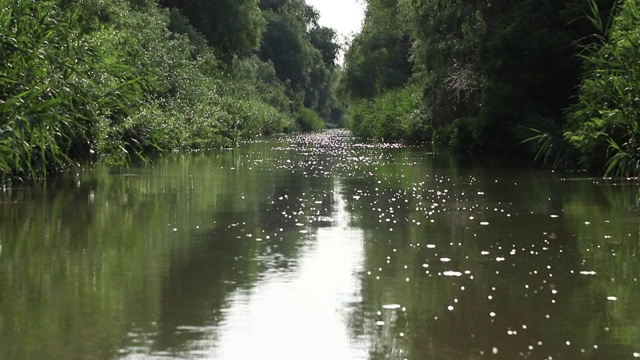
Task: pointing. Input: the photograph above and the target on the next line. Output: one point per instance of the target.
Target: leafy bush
(392, 116)
(605, 120)
(309, 120)
(109, 79)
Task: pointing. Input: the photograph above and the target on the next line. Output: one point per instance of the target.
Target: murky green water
(316, 247)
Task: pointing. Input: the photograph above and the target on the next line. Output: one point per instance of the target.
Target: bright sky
(345, 16)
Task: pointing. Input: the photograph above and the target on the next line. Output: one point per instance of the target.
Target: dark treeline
(486, 76)
(110, 79)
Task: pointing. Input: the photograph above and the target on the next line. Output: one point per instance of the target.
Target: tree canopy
(303, 54)
(492, 75)
(233, 27)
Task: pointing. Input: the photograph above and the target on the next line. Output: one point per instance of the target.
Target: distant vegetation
(108, 80)
(564, 75)
(111, 79)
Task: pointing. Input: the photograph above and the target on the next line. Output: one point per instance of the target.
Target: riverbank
(112, 80)
(555, 82)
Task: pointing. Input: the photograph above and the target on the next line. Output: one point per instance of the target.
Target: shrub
(109, 79)
(605, 120)
(392, 116)
(309, 120)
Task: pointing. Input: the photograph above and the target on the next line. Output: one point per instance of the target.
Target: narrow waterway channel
(320, 247)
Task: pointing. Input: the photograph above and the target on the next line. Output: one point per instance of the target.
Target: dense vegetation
(491, 75)
(111, 79)
(604, 122)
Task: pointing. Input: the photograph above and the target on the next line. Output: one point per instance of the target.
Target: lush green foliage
(190, 101)
(489, 72)
(303, 55)
(309, 120)
(390, 117)
(446, 54)
(231, 26)
(54, 86)
(605, 120)
(532, 68)
(378, 58)
(108, 79)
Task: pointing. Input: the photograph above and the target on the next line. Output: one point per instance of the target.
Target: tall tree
(378, 58)
(446, 48)
(531, 67)
(325, 39)
(233, 27)
(302, 52)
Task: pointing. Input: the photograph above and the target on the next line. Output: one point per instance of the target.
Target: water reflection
(301, 314)
(318, 246)
(494, 265)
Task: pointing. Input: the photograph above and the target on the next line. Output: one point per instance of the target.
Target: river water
(319, 247)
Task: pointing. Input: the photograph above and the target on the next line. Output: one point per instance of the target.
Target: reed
(50, 88)
(109, 80)
(605, 120)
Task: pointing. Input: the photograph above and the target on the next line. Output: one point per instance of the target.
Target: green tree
(487, 71)
(326, 40)
(303, 55)
(233, 27)
(531, 68)
(285, 44)
(447, 47)
(378, 58)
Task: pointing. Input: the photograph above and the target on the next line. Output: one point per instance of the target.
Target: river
(319, 247)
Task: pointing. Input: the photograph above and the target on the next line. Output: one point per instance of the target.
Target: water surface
(319, 247)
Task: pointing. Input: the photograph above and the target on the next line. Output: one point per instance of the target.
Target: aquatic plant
(52, 87)
(605, 120)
